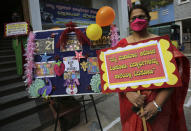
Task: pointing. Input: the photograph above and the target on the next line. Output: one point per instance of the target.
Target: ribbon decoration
(71, 27)
(29, 54)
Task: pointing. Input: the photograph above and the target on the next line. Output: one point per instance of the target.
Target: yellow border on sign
(170, 67)
(16, 28)
(156, 78)
(131, 49)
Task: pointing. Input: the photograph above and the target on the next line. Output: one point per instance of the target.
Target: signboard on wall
(16, 29)
(59, 14)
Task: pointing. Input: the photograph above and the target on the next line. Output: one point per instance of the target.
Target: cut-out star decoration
(44, 58)
(79, 55)
(84, 65)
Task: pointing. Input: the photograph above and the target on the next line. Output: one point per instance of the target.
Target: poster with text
(148, 64)
(16, 29)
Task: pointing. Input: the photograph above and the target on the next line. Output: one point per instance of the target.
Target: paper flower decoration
(44, 58)
(79, 55)
(96, 83)
(84, 65)
(35, 86)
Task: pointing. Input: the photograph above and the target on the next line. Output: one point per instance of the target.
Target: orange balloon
(105, 16)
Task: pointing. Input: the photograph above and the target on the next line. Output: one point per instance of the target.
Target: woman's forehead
(136, 12)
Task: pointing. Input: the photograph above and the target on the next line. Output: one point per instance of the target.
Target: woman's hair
(142, 8)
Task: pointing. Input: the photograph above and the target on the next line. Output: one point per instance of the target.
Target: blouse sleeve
(122, 42)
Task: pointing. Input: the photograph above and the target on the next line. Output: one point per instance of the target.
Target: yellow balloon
(94, 32)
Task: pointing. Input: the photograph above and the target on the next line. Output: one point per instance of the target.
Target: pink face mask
(138, 24)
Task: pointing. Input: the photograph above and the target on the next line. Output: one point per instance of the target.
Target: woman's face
(137, 13)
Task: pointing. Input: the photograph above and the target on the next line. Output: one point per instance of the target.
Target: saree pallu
(172, 116)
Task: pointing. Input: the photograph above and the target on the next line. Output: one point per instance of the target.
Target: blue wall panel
(165, 15)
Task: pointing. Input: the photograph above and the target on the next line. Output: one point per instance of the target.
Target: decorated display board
(148, 64)
(64, 62)
(16, 29)
(61, 64)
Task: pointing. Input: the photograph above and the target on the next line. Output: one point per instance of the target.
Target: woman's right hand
(136, 99)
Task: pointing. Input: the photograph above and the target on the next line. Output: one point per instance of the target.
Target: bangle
(157, 106)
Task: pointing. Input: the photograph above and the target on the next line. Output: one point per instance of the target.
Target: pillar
(123, 18)
(35, 17)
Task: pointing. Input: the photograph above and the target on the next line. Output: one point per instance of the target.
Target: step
(8, 71)
(7, 58)
(20, 111)
(6, 52)
(12, 88)
(12, 97)
(34, 122)
(47, 119)
(27, 123)
(17, 109)
(5, 41)
(7, 64)
(11, 100)
(6, 48)
(9, 79)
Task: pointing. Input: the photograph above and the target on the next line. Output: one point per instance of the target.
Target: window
(183, 1)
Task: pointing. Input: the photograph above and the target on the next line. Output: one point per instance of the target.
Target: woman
(163, 108)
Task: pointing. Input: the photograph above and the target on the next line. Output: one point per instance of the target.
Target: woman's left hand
(149, 110)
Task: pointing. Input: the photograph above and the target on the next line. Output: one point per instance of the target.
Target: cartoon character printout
(72, 70)
(148, 64)
(93, 66)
